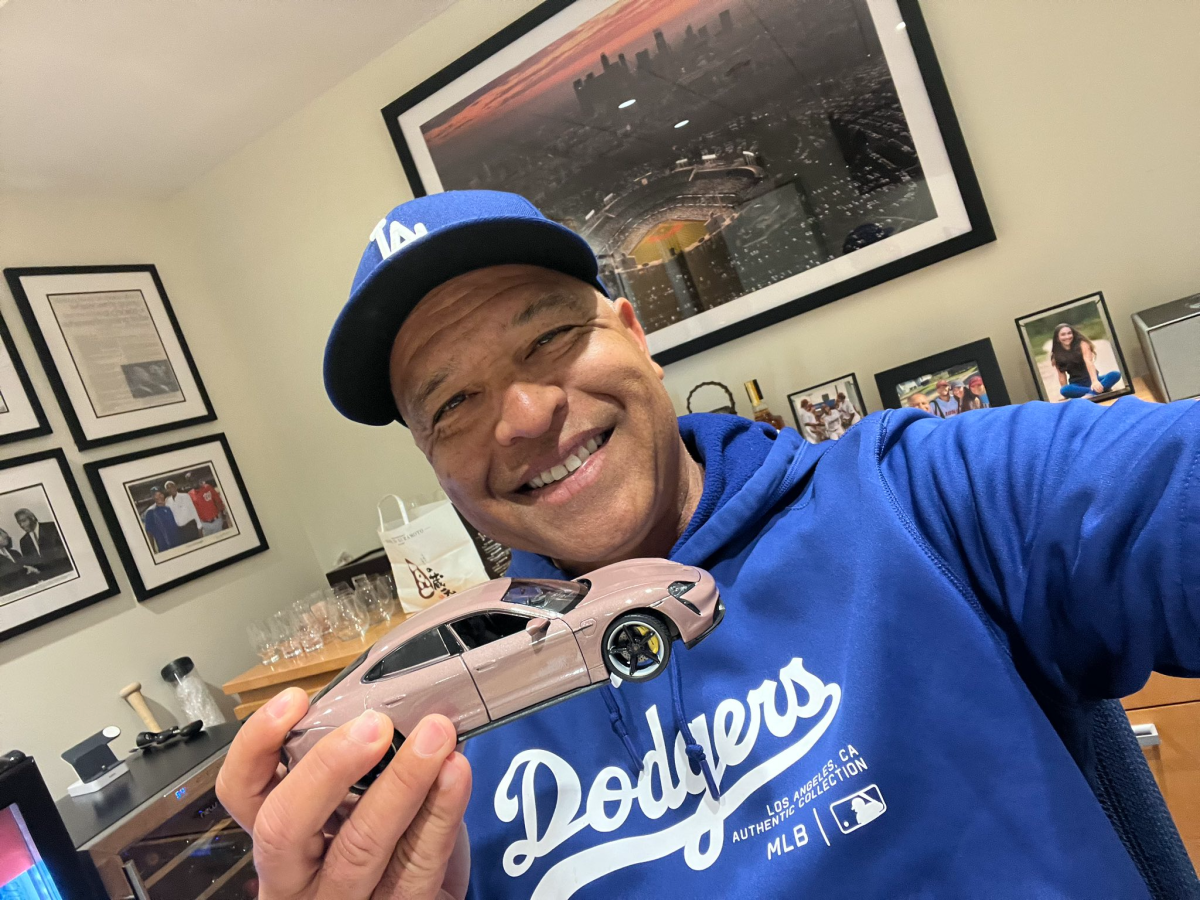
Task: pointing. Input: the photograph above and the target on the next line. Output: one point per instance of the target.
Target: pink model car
(514, 645)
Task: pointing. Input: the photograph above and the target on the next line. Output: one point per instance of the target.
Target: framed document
(112, 349)
(21, 414)
(50, 557)
(176, 512)
(731, 164)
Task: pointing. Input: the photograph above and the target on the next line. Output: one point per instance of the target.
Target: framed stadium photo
(946, 384)
(51, 562)
(112, 349)
(732, 164)
(1073, 351)
(176, 512)
(21, 415)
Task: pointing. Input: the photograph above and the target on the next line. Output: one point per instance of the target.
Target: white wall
(1081, 120)
(59, 682)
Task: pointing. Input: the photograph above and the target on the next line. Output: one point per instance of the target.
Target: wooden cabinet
(1172, 706)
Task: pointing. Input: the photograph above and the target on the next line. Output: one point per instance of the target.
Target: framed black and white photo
(731, 164)
(825, 411)
(112, 349)
(176, 512)
(1073, 351)
(51, 562)
(21, 414)
(946, 384)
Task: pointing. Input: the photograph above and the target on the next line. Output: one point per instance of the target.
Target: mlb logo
(861, 807)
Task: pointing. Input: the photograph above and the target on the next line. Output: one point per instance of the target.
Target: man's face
(160, 498)
(943, 391)
(502, 374)
(27, 523)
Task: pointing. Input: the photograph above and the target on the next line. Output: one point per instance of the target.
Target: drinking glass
(263, 641)
(308, 629)
(351, 619)
(376, 611)
(285, 631)
(385, 592)
(320, 609)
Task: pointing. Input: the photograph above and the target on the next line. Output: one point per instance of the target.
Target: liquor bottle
(761, 412)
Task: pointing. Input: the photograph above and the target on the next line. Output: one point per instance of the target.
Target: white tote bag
(431, 553)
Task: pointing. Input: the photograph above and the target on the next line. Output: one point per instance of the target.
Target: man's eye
(446, 407)
(551, 335)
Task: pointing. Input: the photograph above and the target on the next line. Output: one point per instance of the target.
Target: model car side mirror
(536, 627)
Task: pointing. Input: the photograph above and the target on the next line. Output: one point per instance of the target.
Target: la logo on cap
(396, 236)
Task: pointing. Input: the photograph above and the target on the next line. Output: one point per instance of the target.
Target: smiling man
(934, 719)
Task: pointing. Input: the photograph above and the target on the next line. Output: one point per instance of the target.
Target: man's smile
(567, 473)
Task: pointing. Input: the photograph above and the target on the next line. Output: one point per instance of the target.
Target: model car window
(484, 628)
(544, 593)
(340, 676)
(424, 648)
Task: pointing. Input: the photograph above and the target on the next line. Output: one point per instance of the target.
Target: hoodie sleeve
(1077, 528)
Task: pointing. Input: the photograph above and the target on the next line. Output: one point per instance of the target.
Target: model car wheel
(637, 647)
(360, 786)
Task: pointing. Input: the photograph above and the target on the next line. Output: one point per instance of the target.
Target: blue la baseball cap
(416, 247)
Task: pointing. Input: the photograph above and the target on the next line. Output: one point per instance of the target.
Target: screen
(23, 874)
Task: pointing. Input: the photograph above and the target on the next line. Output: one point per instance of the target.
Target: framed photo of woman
(1073, 351)
(176, 512)
(51, 562)
(112, 349)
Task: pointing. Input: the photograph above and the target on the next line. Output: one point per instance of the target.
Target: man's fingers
(250, 768)
(288, 833)
(417, 870)
(365, 842)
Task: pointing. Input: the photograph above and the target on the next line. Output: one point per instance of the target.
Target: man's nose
(528, 410)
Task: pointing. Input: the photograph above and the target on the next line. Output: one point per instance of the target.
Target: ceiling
(144, 96)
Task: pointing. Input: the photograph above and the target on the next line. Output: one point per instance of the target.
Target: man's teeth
(577, 458)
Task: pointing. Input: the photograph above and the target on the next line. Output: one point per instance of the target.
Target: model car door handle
(396, 700)
(484, 666)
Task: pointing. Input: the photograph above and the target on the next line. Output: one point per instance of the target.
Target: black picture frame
(95, 473)
(14, 277)
(979, 352)
(981, 229)
(111, 588)
(43, 425)
(1106, 319)
(856, 401)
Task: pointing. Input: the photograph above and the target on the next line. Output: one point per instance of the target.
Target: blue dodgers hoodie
(864, 707)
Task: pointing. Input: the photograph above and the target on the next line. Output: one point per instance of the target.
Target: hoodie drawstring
(617, 722)
(697, 759)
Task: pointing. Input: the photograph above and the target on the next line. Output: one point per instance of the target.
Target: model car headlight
(678, 588)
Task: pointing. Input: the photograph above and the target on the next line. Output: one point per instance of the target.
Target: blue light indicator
(179, 794)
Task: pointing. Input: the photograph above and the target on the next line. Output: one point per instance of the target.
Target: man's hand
(405, 837)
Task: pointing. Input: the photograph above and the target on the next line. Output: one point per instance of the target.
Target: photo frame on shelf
(825, 411)
(51, 561)
(112, 349)
(176, 512)
(1072, 350)
(21, 414)
(723, 185)
(947, 383)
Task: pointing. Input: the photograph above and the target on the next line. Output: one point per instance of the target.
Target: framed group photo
(1073, 351)
(731, 164)
(112, 349)
(825, 411)
(21, 415)
(176, 512)
(51, 562)
(948, 383)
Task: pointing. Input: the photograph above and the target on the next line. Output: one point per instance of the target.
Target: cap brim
(360, 346)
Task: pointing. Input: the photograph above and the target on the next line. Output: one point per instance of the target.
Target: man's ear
(628, 316)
